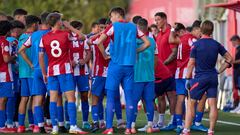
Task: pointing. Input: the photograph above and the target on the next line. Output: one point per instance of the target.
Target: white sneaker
(76, 130)
(236, 109)
(54, 130)
(156, 127)
(143, 129)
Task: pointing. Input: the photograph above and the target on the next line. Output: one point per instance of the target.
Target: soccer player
(20, 15)
(26, 74)
(154, 29)
(80, 54)
(144, 81)
(203, 58)
(3, 17)
(39, 87)
(184, 40)
(94, 29)
(123, 56)
(136, 18)
(167, 53)
(6, 81)
(56, 44)
(12, 103)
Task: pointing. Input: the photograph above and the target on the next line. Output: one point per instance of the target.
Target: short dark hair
(142, 24)
(189, 28)
(153, 26)
(43, 17)
(17, 24)
(179, 26)
(94, 24)
(118, 10)
(196, 24)
(77, 24)
(207, 27)
(10, 18)
(53, 18)
(235, 38)
(161, 14)
(5, 27)
(20, 11)
(102, 21)
(136, 19)
(31, 19)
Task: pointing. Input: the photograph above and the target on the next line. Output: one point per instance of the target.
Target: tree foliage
(87, 11)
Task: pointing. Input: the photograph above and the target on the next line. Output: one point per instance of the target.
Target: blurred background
(224, 13)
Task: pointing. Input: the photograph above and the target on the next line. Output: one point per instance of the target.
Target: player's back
(123, 51)
(205, 51)
(57, 47)
(35, 41)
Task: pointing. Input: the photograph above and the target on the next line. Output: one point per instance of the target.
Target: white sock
(210, 131)
(55, 128)
(155, 117)
(133, 125)
(171, 120)
(84, 122)
(197, 123)
(72, 126)
(60, 124)
(48, 121)
(101, 121)
(161, 118)
(150, 123)
(185, 130)
(41, 124)
(119, 121)
(9, 125)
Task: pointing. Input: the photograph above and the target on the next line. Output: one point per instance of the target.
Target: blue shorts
(26, 86)
(82, 83)
(39, 87)
(61, 83)
(143, 90)
(167, 85)
(6, 89)
(204, 84)
(119, 74)
(180, 87)
(98, 85)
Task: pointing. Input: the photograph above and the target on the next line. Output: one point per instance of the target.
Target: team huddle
(45, 60)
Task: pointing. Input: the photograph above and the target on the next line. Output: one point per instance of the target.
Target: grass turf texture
(221, 129)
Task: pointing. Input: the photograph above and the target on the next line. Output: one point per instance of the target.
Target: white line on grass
(224, 122)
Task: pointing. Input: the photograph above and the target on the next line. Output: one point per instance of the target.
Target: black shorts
(164, 86)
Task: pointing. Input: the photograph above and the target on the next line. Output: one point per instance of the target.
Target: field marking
(224, 122)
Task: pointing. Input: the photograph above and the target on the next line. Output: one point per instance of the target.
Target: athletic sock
(72, 113)
(53, 112)
(85, 110)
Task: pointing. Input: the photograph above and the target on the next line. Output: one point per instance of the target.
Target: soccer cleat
(236, 109)
(179, 129)
(30, 128)
(157, 127)
(128, 131)
(121, 125)
(76, 130)
(187, 133)
(149, 130)
(48, 127)
(86, 125)
(108, 131)
(42, 130)
(54, 131)
(133, 130)
(21, 129)
(36, 129)
(67, 125)
(95, 127)
(102, 125)
(143, 129)
(210, 132)
(62, 129)
(201, 127)
(169, 127)
(7, 130)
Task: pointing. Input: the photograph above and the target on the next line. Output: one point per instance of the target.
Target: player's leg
(68, 88)
(118, 109)
(48, 125)
(60, 114)
(137, 92)
(101, 111)
(23, 105)
(197, 122)
(181, 93)
(148, 96)
(112, 85)
(67, 124)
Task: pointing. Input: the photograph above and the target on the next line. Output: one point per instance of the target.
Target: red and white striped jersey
(183, 55)
(57, 46)
(100, 65)
(78, 50)
(5, 68)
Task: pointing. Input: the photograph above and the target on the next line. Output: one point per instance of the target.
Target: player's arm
(22, 52)
(88, 56)
(227, 63)
(80, 34)
(190, 67)
(42, 61)
(173, 38)
(146, 44)
(172, 56)
(155, 57)
(99, 43)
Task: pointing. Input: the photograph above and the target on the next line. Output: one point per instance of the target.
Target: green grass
(221, 129)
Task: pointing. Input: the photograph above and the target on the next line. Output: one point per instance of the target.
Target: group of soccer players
(44, 59)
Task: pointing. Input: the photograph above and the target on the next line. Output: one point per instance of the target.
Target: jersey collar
(205, 36)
